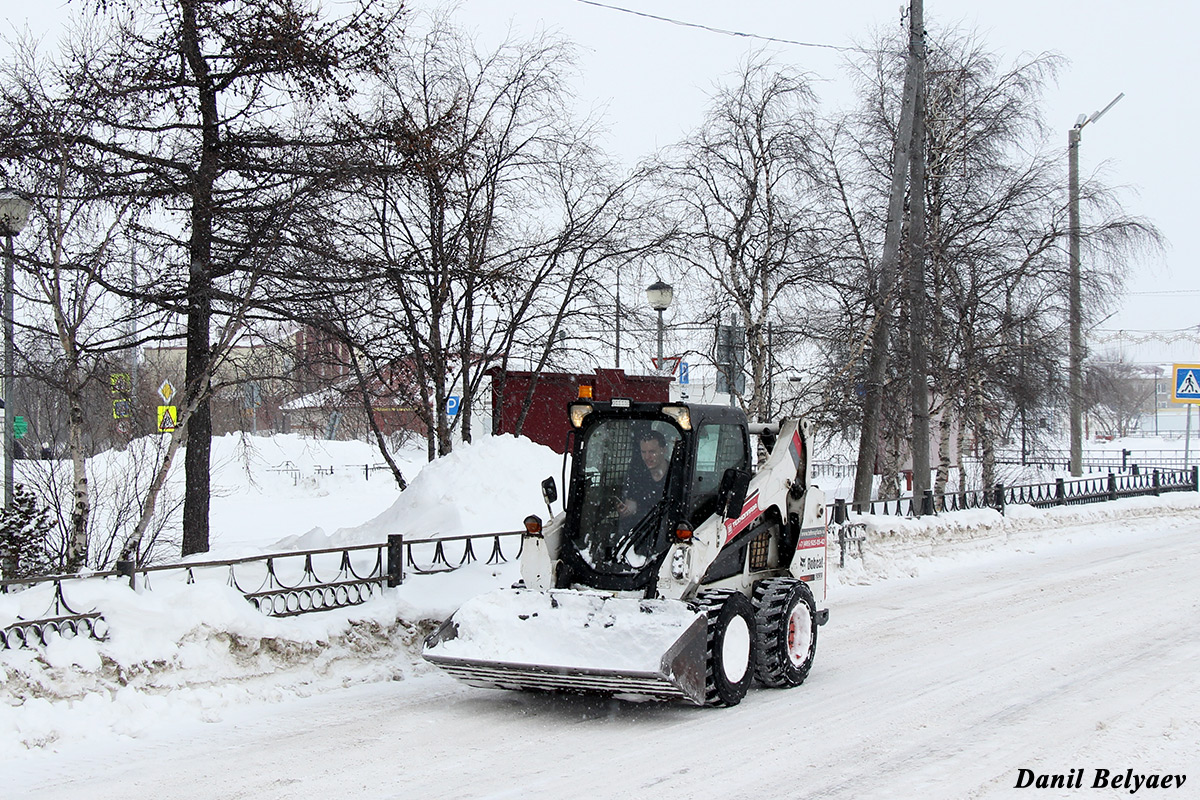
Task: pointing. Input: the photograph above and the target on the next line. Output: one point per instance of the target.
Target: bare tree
(994, 212)
(209, 108)
(486, 224)
(739, 197)
(71, 330)
(1116, 393)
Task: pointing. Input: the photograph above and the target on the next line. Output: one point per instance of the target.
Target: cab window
(718, 447)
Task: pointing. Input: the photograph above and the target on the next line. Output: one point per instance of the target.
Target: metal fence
(1060, 492)
(279, 585)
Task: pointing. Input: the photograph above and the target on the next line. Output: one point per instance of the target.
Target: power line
(725, 31)
(1167, 291)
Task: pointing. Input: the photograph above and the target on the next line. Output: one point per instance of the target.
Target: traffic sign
(1186, 386)
(683, 372)
(452, 403)
(168, 418)
(20, 427)
(166, 391)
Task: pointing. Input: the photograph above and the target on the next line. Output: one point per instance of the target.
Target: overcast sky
(652, 78)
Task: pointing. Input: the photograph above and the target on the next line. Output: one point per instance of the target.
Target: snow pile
(192, 651)
(271, 490)
(198, 650)
(485, 487)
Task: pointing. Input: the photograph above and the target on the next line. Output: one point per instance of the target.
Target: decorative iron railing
(59, 618)
(428, 556)
(279, 584)
(1096, 489)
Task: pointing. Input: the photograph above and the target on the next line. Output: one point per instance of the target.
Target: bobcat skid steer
(673, 572)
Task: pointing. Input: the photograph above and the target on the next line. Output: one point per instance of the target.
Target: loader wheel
(785, 622)
(729, 666)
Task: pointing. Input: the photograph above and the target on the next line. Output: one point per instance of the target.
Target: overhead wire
(726, 31)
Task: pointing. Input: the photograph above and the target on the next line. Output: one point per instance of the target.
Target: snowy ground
(958, 652)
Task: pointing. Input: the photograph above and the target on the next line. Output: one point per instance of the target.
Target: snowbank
(484, 487)
(901, 547)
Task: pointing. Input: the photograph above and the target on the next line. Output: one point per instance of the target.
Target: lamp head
(14, 213)
(659, 295)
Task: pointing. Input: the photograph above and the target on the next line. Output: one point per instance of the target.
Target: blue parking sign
(683, 372)
(452, 403)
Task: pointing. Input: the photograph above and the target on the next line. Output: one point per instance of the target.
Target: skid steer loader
(674, 571)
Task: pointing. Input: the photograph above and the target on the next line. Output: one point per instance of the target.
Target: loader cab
(638, 470)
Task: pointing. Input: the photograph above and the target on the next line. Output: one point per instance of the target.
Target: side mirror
(549, 491)
(731, 496)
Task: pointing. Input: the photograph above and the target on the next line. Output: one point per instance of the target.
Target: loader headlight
(577, 411)
(533, 525)
(681, 414)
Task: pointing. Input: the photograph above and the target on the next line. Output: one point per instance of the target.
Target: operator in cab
(644, 488)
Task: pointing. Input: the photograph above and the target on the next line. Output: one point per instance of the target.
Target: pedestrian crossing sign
(1186, 388)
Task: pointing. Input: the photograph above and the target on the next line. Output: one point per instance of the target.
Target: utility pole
(918, 352)
(1075, 310)
(877, 364)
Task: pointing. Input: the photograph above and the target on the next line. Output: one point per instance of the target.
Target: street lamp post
(618, 348)
(659, 295)
(1075, 311)
(14, 213)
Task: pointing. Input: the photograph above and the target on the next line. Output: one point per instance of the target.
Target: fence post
(126, 567)
(999, 505)
(395, 559)
(1195, 479)
(1112, 486)
(927, 503)
(1156, 482)
(839, 519)
(1060, 492)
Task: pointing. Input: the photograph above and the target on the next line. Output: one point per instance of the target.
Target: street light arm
(1098, 114)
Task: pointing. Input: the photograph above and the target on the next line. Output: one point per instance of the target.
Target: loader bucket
(575, 641)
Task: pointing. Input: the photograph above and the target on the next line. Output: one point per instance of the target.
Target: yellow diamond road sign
(166, 391)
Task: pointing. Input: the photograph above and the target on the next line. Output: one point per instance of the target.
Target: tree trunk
(960, 442)
(943, 470)
(889, 485)
(197, 458)
(77, 549)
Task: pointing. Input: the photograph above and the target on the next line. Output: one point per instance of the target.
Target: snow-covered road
(1075, 653)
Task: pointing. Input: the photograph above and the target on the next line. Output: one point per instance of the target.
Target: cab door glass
(718, 447)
